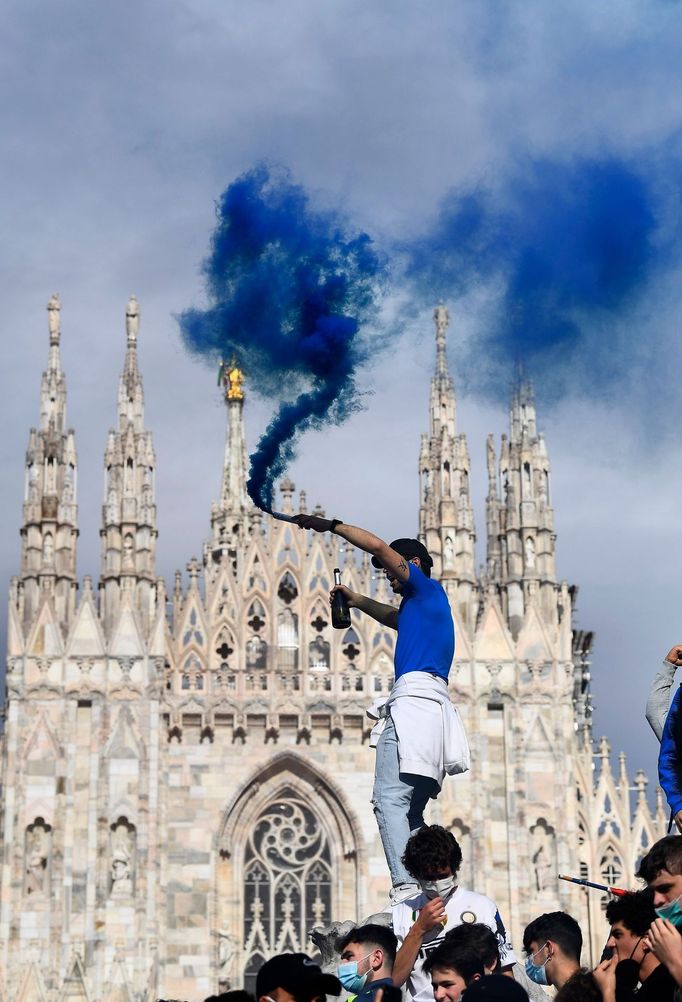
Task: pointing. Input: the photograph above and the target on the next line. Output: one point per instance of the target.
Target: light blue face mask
(348, 975)
(537, 972)
(672, 912)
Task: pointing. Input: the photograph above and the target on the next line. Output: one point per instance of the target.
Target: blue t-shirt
(426, 632)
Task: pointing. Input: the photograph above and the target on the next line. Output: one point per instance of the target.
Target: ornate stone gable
(187, 778)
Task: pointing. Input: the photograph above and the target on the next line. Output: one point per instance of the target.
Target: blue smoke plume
(564, 250)
(290, 290)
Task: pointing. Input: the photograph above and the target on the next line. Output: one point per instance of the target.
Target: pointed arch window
(256, 653)
(256, 615)
(288, 589)
(318, 655)
(256, 578)
(287, 639)
(287, 881)
(192, 633)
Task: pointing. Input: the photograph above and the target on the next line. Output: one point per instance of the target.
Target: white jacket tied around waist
(431, 737)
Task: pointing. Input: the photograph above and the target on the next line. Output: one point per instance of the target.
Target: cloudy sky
(464, 137)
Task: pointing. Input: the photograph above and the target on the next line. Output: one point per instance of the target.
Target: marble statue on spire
(53, 309)
(132, 319)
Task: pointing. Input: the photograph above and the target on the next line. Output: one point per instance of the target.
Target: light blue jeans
(399, 799)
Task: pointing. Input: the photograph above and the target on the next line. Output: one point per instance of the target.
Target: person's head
(553, 943)
(452, 967)
(235, 995)
(662, 870)
(433, 856)
(294, 977)
(630, 917)
(367, 954)
(414, 552)
(479, 940)
(495, 988)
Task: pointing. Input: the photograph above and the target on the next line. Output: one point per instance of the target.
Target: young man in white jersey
(433, 857)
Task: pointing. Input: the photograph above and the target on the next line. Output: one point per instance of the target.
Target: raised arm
(365, 540)
(387, 615)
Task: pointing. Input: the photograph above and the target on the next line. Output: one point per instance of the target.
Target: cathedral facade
(186, 776)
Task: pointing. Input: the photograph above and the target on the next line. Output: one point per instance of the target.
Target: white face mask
(439, 888)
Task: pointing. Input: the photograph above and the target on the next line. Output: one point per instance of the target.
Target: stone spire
(49, 532)
(446, 521)
(525, 531)
(228, 516)
(129, 530)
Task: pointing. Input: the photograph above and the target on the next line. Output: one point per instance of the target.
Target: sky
(521, 161)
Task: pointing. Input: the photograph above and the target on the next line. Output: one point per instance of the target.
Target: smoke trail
(290, 291)
(564, 250)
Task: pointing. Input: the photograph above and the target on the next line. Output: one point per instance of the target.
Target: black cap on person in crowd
(495, 988)
(408, 548)
(297, 974)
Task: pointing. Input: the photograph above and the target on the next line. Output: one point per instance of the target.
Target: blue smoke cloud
(565, 249)
(291, 290)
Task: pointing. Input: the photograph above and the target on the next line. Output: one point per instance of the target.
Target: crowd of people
(438, 941)
(448, 943)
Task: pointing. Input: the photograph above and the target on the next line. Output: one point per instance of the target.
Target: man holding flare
(419, 737)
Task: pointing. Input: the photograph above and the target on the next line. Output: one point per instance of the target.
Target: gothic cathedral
(186, 778)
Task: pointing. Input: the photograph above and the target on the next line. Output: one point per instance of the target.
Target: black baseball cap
(408, 548)
(298, 975)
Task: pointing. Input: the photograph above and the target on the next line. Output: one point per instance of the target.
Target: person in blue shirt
(420, 737)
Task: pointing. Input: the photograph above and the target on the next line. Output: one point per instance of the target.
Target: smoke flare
(291, 290)
(563, 251)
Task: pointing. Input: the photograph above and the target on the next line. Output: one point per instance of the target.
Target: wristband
(335, 522)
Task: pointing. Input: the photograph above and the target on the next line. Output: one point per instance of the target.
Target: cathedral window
(256, 615)
(288, 589)
(287, 881)
(186, 682)
(287, 639)
(256, 653)
(255, 578)
(383, 638)
(351, 643)
(193, 632)
(318, 655)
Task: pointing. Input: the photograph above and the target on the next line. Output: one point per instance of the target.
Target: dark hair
(581, 987)
(454, 957)
(635, 910)
(666, 854)
(479, 939)
(430, 849)
(561, 928)
(235, 995)
(496, 987)
(372, 935)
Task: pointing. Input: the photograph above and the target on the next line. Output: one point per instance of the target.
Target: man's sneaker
(403, 892)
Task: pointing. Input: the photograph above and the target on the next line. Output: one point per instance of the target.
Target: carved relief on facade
(122, 840)
(37, 858)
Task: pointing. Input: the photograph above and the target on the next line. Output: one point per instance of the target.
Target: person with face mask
(662, 870)
(553, 943)
(367, 955)
(433, 857)
(635, 964)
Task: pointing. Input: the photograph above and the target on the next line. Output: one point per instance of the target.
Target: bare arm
(387, 615)
(363, 539)
(429, 917)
